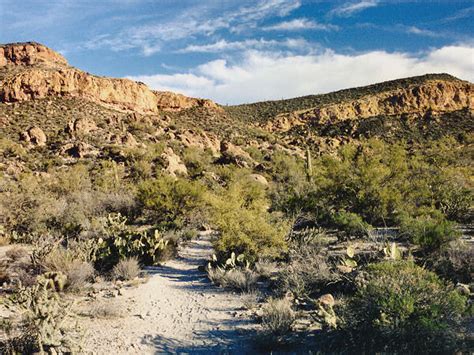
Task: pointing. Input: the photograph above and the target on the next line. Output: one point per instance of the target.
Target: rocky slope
(435, 96)
(32, 71)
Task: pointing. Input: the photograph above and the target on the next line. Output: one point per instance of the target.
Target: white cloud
(223, 45)
(300, 24)
(350, 8)
(196, 22)
(266, 75)
(422, 32)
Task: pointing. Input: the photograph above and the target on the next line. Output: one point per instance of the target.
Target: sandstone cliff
(436, 96)
(32, 71)
(29, 53)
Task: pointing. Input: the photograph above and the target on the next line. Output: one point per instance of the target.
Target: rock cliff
(32, 71)
(28, 54)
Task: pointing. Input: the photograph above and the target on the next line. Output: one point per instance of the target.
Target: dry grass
(4, 240)
(236, 279)
(278, 316)
(266, 269)
(16, 253)
(78, 272)
(127, 269)
(105, 310)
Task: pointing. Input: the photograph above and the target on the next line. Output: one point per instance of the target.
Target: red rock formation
(32, 71)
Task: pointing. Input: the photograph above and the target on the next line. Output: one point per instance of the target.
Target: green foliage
(396, 300)
(171, 201)
(121, 242)
(197, 160)
(431, 232)
(375, 180)
(351, 224)
(240, 215)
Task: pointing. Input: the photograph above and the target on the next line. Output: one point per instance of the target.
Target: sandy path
(177, 310)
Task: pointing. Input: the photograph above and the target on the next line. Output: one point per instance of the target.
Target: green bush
(171, 201)
(351, 224)
(431, 232)
(240, 214)
(400, 307)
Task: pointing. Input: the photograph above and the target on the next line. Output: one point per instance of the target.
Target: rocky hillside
(433, 92)
(44, 102)
(31, 71)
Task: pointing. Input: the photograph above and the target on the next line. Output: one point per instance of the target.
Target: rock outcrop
(436, 96)
(33, 71)
(173, 164)
(29, 53)
(34, 136)
(170, 101)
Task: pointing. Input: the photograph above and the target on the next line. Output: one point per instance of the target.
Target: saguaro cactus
(309, 165)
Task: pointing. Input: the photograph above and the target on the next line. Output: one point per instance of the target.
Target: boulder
(79, 150)
(173, 164)
(84, 125)
(259, 179)
(129, 140)
(327, 300)
(34, 135)
(234, 154)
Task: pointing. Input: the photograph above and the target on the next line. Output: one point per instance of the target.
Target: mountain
(73, 114)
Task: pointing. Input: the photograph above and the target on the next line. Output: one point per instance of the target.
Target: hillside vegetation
(348, 234)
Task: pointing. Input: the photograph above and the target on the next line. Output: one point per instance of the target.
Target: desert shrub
(237, 279)
(63, 203)
(306, 274)
(170, 201)
(10, 149)
(16, 253)
(453, 199)
(265, 269)
(246, 227)
(106, 310)
(126, 269)
(376, 181)
(78, 271)
(79, 274)
(197, 160)
(401, 307)
(141, 170)
(454, 262)
(351, 224)
(431, 232)
(278, 316)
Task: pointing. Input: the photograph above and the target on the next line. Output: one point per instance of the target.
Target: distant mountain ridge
(435, 92)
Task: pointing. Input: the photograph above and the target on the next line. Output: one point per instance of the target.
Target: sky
(246, 51)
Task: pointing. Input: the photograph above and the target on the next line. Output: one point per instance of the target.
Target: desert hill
(45, 102)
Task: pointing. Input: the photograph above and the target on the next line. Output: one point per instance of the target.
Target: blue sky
(242, 51)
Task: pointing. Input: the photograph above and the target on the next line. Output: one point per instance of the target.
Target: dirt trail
(176, 311)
